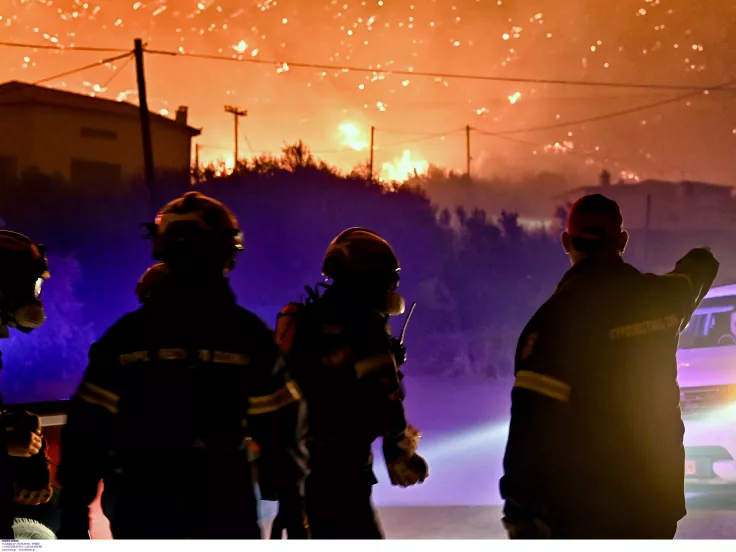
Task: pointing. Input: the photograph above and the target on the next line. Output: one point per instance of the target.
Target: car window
(713, 324)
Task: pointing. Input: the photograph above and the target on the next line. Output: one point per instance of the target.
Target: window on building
(101, 134)
(8, 168)
(95, 173)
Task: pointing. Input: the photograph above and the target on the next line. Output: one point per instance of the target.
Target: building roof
(15, 92)
(643, 185)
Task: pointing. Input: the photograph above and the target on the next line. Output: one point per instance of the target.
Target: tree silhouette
(477, 278)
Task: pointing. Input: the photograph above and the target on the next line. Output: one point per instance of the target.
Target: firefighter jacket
(170, 394)
(595, 425)
(342, 359)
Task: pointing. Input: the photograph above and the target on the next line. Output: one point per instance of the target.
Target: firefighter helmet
(195, 227)
(24, 267)
(359, 252)
(361, 256)
(151, 278)
(25, 258)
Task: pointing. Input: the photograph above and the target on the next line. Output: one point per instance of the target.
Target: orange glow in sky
(332, 110)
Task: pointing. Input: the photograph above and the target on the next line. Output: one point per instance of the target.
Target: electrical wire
(609, 115)
(346, 150)
(421, 139)
(506, 138)
(438, 75)
(407, 72)
(118, 71)
(469, 104)
(84, 68)
(248, 143)
(597, 156)
(400, 132)
(61, 48)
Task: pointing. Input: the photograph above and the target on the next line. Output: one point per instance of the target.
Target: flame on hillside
(399, 170)
(352, 137)
(402, 169)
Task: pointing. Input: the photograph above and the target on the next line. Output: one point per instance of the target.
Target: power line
(460, 102)
(345, 68)
(84, 68)
(569, 151)
(118, 71)
(533, 145)
(421, 139)
(609, 115)
(506, 138)
(404, 132)
(61, 48)
(247, 142)
(598, 157)
(406, 72)
(270, 152)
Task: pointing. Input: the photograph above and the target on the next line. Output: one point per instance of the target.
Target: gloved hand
(22, 433)
(398, 350)
(405, 466)
(32, 479)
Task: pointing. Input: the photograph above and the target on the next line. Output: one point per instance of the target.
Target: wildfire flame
(404, 168)
(352, 137)
(222, 165)
(399, 170)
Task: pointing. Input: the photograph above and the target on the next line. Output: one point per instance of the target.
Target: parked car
(707, 378)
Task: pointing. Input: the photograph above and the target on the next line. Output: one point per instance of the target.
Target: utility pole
(145, 121)
(467, 152)
(237, 114)
(647, 221)
(373, 131)
(196, 163)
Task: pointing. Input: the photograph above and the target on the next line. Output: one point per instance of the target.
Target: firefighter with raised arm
(595, 447)
(339, 350)
(170, 395)
(24, 473)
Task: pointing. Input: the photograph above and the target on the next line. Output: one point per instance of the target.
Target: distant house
(663, 205)
(85, 139)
